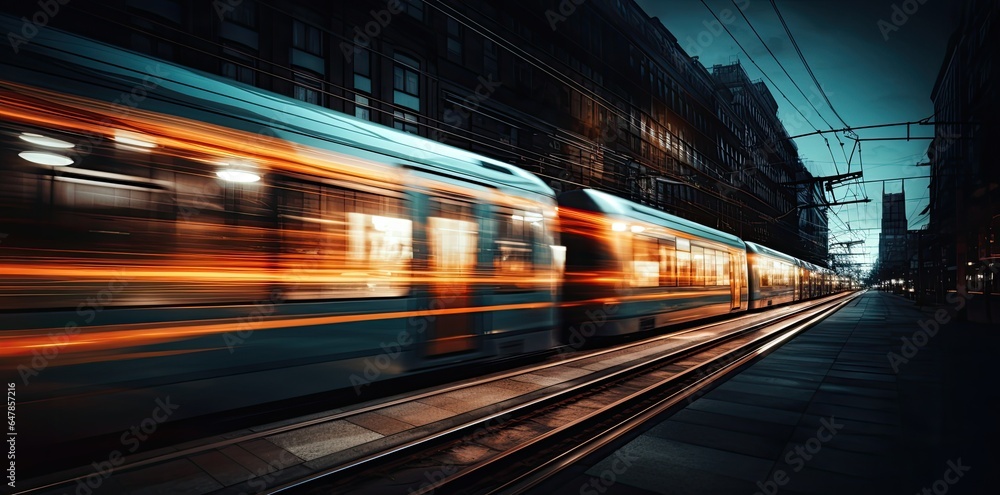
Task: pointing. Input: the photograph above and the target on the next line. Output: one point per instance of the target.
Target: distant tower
(892, 239)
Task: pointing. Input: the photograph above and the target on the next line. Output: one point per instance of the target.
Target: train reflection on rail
(227, 247)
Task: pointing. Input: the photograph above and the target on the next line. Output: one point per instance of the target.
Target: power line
(724, 26)
(806, 64)
(790, 78)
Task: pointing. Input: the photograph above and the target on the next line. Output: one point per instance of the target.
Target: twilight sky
(869, 80)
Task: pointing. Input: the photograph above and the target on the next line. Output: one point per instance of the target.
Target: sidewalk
(865, 402)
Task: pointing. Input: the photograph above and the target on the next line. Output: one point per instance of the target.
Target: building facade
(599, 96)
(965, 179)
(894, 262)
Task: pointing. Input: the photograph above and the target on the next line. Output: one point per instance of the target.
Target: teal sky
(869, 80)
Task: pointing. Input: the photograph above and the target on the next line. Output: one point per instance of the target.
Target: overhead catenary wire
(337, 92)
(805, 63)
(792, 79)
(754, 62)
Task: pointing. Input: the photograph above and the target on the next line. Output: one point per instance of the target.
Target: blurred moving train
(174, 234)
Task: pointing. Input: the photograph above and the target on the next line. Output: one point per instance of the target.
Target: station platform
(882, 397)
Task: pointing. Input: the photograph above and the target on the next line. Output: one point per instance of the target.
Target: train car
(630, 268)
(174, 234)
(810, 279)
(773, 277)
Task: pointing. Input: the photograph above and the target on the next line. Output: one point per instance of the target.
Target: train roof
(766, 251)
(593, 200)
(63, 62)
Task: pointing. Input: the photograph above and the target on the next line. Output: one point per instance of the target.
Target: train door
(452, 238)
(737, 276)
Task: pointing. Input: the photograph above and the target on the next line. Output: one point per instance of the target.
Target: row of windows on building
(647, 137)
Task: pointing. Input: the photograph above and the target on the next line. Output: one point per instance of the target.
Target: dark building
(767, 161)
(965, 180)
(602, 96)
(894, 264)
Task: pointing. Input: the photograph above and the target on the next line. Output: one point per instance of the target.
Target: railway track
(557, 409)
(515, 448)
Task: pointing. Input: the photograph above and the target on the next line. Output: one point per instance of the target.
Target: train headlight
(44, 158)
(235, 175)
(45, 141)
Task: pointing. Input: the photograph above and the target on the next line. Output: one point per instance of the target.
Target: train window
(723, 259)
(764, 268)
(668, 263)
(513, 253)
(711, 276)
(698, 265)
(683, 262)
(645, 262)
(452, 235)
(344, 243)
(779, 273)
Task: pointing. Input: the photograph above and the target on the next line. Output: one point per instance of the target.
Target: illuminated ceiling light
(45, 141)
(637, 229)
(618, 227)
(236, 175)
(43, 158)
(133, 140)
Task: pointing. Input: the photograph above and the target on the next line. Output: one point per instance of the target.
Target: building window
(454, 40)
(406, 82)
(307, 37)
(405, 121)
(238, 65)
(414, 7)
(490, 65)
(244, 14)
(363, 71)
(524, 75)
(308, 88)
(361, 107)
